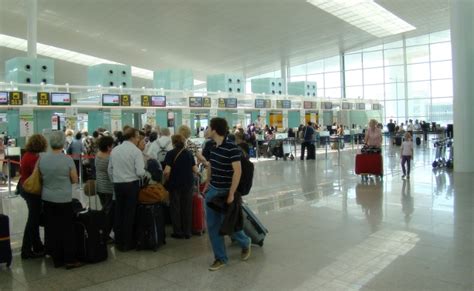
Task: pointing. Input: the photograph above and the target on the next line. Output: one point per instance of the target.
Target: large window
(411, 77)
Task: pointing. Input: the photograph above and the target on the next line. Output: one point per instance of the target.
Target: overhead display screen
(263, 103)
(153, 101)
(284, 104)
(376, 106)
(346, 105)
(227, 103)
(361, 106)
(60, 98)
(195, 102)
(3, 98)
(15, 98)
(309, 105)
(110, 99)
(327, 105)
(42, 98)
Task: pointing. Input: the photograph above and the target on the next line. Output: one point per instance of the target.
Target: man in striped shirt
(224, 173)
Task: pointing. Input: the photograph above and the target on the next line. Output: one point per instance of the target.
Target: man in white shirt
(126, 167)
(158, 149)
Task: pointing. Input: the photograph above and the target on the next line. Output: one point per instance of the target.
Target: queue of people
(121, 166)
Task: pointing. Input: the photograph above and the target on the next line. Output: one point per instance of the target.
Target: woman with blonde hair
(373, 135)
(185, 131)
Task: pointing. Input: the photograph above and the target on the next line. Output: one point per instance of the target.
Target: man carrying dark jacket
(223, 178)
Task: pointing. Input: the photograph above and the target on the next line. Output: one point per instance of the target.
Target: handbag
(89, 188)
(153, 193)
(34, 184)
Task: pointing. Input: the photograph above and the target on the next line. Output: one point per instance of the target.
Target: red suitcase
(369, 164)
(199, 215)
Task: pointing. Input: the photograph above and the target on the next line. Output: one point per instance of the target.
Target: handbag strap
(176, 157)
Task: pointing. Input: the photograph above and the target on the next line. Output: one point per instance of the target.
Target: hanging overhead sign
(43, 99)
(285, 104)
(263, 103)
(227, 103)
(125, 100)
(61, 98)
(196, 102)
(15, 98)
(153, 101)
(309, 105)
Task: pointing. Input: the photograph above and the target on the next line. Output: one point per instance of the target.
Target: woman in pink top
(373, 135)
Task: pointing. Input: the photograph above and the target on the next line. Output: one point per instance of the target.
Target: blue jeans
(214, 222)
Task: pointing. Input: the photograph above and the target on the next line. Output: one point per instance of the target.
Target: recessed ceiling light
(366, 15)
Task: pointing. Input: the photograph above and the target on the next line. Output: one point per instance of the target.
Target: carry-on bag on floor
(253, 227)
(398, 140)
(150, 232)
(418, 141)
(369, 164)
(91, 239)
(199, 216)
(5, 247)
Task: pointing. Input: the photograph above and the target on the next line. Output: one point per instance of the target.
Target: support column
(32, 24)
(284, 74)
(462, 42)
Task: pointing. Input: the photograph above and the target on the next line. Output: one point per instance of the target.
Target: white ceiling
(207, 36)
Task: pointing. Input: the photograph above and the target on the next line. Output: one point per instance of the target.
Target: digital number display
(227, 103)
(15, 98)
(43, 98)
(125, 100)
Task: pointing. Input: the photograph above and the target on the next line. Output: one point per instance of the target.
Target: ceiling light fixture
(366, 15)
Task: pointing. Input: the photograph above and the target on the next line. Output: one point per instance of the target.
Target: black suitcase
(150, 232)
(5, 247)
(418, 141)
(253, 227)
(398, 140)
(91, 239)
(311, 151)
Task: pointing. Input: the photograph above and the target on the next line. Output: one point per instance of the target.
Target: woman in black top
(179, 169)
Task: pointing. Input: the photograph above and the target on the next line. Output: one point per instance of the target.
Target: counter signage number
(16, 98)
(43, 98)
(146, 100)
(206, 102)
(263, 103)
(221, 103)
(125, 100)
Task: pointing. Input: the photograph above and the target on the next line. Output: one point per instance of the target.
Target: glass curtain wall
(412, 78)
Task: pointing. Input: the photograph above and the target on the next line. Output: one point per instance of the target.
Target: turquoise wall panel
(109, 75)
(127, 118)
(162, 118)
(42, 119)
(29, 70)
(327, 117)
(293, 118)
(255, 115)
(95, 120)
(13, 118)
(173, 79)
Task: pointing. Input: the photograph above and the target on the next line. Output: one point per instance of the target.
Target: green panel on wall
(327, 118)
(293, 119)
(95, 120)
(13, 118)
(162, 118)
(127, 118)
(42, 120)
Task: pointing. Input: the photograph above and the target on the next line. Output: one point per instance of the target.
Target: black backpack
(246, 179)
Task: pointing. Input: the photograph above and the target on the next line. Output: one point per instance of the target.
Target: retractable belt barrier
(9, 162)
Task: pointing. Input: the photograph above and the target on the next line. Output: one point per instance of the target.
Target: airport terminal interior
(271, 69)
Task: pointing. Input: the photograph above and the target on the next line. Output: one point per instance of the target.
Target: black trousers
(126, 199)
(107, 202)
(59, 232)
(311, 150)
(181, 207)
(31, 235)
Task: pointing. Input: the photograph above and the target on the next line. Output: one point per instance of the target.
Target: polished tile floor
(328, 231)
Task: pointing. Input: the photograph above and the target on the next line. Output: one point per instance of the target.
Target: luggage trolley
(369, 162)
(440, 152)
(289, 148)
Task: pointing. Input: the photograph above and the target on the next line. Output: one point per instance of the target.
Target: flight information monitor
(361, 106)
(61, 98)
(110, 100)
(227, 103)
(346, 105)
(284, 104)
(263, 103)
(158, 101)
(327, 105)
(3, 98)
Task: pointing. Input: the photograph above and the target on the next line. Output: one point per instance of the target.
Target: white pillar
(462, 41)
(284, 74)
(32, 22)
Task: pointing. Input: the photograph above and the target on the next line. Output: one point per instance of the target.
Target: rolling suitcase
(91, 238)
(369, 164)
(150, 231)
(5, 247)
(199, 215)
(398, 140)
(90, 225)
(253, 227)
(418, 141)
